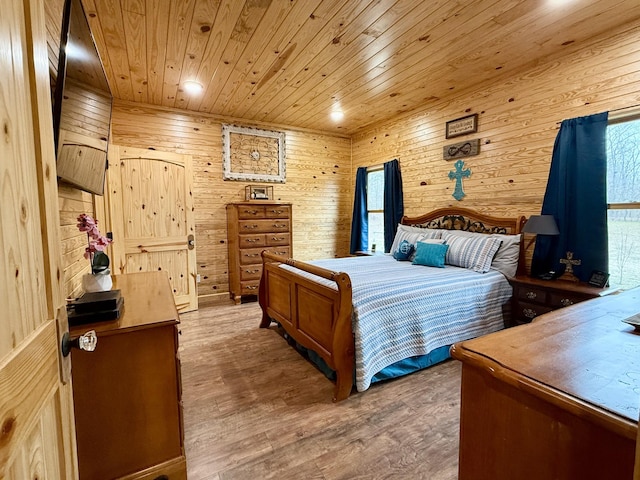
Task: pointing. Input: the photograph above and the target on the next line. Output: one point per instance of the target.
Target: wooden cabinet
(251, 228)
(127, 393)
(533, 297)
(557, 398)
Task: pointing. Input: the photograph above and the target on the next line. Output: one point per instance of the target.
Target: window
(375, 209)
(623, 197)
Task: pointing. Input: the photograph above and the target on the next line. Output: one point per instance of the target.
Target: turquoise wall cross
(459, 174)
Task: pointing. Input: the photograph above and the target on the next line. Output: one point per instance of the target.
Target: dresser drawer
(248, 241)
(532, 294)
(251, 272)
(264, 226)
(275, 239)
(528, 311)
(251, 211)
(565, 299)
(282, 251)
(251, 255)
(278, 211)
(249, 288)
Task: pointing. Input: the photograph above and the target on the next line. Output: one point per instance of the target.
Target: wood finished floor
(255, 409)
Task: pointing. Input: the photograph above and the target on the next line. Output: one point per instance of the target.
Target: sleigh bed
(386, 317)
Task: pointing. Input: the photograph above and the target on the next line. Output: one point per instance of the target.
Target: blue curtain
(576, 196)
(393, 202)
(360, 222)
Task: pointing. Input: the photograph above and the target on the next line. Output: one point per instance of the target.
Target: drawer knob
(249, 227)
(252, 240)
(531, 295)
(251, 212)
(529, 313)
(277, 238)
(565, 302)
(279, 225)
(252, 287)
(277, 212)
(250, 255)
(86, 342)
(252, 271)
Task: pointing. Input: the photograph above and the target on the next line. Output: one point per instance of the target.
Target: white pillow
(507, 256)
(474, 253)
(412, 235)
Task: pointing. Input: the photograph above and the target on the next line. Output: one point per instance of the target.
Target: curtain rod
(624, 112)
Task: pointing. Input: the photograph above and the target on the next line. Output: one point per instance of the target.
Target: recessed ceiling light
(192, 87)
(336, 115)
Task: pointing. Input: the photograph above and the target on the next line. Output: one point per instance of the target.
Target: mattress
(402, 310)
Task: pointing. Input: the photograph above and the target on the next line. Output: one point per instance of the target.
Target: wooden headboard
(457, 218)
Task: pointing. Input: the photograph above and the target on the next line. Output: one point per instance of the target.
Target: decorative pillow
(507, 256)
(430, 254)
(405, 249)
(412, 235)
(474, 253)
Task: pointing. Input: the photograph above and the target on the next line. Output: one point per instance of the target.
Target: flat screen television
(81, 105)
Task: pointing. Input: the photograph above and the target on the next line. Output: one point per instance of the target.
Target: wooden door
(37, 437)
(151, 212)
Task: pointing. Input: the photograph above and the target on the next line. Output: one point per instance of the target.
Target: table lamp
(540, 225)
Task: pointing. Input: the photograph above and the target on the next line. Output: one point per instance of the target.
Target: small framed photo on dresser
(258, 193)
(599, 279)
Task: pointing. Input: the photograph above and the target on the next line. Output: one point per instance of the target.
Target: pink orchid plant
(96, 244)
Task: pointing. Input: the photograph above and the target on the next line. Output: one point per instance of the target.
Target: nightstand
(533, 297)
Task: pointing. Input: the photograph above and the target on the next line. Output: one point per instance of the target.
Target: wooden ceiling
(289, 62)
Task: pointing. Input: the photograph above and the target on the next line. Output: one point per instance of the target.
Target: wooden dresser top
(148, 302)
(583, 354)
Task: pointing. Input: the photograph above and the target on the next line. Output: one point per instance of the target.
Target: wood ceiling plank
(181, 14)
(134, 27)
(259, 61)
(354, 42)
(96, 30)
(156, 26)
(478, 71)
(315, 35)
(113, 33)
(408, 55)
(263, 39)
(226, 18)
(199, 35)
(409, 28)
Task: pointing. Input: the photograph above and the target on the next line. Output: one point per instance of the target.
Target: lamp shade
(541, 225)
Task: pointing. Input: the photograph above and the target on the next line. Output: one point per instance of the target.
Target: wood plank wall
(318, 184)
(517, 125)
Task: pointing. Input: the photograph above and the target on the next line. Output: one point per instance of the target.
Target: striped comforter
(402, 310)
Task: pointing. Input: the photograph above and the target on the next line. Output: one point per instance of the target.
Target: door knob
(86, 342)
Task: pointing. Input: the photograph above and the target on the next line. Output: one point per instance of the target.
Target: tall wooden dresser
(252, 227)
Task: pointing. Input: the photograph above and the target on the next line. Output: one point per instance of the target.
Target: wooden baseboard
(174, 469)
(214, 299)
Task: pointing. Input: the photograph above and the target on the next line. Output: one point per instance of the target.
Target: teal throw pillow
(430, 254)
(405, 249)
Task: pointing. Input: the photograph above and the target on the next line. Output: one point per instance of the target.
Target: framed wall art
(252, 154)
(461, 126)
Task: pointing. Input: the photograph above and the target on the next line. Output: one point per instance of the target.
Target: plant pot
(96, 282)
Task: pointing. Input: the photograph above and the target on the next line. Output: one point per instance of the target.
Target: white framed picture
(252, 154)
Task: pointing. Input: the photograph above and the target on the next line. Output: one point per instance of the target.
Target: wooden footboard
(316, 316)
